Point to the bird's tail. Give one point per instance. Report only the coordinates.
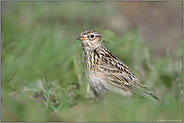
(143, 91)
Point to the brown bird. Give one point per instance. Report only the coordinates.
(105, 72)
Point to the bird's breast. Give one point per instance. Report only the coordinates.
(89, 60)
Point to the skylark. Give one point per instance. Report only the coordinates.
(105, 72)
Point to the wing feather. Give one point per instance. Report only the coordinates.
(134, 87)
(121, 76)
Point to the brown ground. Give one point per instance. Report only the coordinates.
(158, 23)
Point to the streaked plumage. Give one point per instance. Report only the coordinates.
(105, 72)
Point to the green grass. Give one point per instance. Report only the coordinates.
(43, 78)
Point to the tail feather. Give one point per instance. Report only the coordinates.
(143, 91)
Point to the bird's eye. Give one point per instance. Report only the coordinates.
(92, 36)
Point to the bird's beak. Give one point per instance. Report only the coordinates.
(80, 38)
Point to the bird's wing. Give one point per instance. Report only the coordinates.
(134, 86)
(119, 75)
(126, 81)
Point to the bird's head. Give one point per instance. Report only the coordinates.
(90, 39)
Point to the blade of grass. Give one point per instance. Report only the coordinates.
(47, 95)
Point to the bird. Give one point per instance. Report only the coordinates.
(105, 72)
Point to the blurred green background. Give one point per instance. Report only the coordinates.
(38, 40)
